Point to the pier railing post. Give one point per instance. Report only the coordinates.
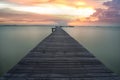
(53, 29)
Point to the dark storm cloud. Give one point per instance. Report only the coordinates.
(112, 14)
(115, 4)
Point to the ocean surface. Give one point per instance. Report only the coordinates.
(17, 41)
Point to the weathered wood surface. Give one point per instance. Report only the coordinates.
(59, 57)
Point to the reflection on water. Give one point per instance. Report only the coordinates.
(16, 42)
(103, 42)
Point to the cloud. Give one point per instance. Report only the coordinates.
(8, 16)
(113, 4)
(28, 2)
(74, 3)
(38, 11)
(111, 14)
(57, 11)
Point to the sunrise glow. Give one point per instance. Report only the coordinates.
(59, 11)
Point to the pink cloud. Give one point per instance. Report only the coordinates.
(16, 17)
(110, 15)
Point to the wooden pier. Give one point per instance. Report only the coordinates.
(59, 57)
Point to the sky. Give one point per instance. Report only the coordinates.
(60, 12)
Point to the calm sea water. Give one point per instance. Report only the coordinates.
(103, 42)
(16, 42)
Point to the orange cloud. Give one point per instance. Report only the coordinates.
(25, 21)
(83, 8)
(74, 3)
(71, 12)
(29, 2)
(77, 23)
(12, 17)
(83, 21)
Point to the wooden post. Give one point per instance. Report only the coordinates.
(53, 29)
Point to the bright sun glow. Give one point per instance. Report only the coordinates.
(80, 3)
(57, 10)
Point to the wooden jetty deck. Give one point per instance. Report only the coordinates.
(59, 57)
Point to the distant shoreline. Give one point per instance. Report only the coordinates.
(52, 26)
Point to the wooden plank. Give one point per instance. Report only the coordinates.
(59, 57)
